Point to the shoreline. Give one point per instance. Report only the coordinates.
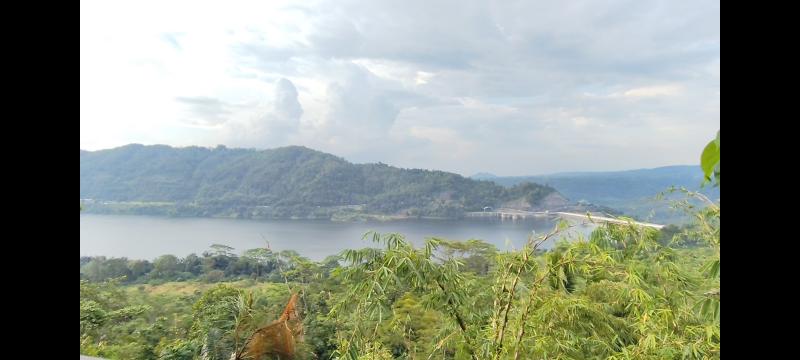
(360, 218)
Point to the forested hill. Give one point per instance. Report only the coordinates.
(281, 183)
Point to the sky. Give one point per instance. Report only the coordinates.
(506, 87)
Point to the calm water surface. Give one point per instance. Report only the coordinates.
(144, 237)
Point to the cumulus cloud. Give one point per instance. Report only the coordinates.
(511, 87)
(358, 103)
(286, 106)
(273, 123)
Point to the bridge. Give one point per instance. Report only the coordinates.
(521, 214)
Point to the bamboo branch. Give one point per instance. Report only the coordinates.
(500, 335)
(535, 286)
(459, 320)
(440, 344)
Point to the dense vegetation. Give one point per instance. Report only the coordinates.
(221, 263)
(626, 292)
(218, 264)
(632, 192)
(279, 183)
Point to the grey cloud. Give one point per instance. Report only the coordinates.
(358, 106)
(505, 48)
(281, 120)
(460, 33)
(544, 74)
(286, 103)
(274, 124)
(206, 110)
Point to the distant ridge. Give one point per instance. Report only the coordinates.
(483, 176)
(631, 191)
(285, 182)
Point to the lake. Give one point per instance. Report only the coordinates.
(144, 237)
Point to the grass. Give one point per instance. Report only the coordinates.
(194, 287)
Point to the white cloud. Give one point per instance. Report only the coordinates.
(457, 85)
(650, 91)
(273, 123)
(423, 77)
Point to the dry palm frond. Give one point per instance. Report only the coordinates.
(276, 339)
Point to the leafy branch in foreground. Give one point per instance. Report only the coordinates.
(619, 292)
(709, 161)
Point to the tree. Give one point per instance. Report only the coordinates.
(192, 264)
(166, 266)
(222, 250)
(139, 268)
(214, 321)
(104, 306)
(264, 259)
(101, 268)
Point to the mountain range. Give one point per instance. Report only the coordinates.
(633, 192)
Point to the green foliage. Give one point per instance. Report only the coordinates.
(626, 292)
(621, 294)
(709, 160)
(475, 255)
(214, 323)
(289, 182)
(218, 264)
(104, 309)
(179, 349)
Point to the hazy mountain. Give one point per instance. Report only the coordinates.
(632, 192)
(284, 182)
